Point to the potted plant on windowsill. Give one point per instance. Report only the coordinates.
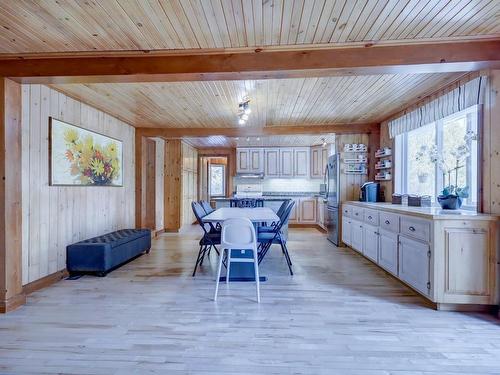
(452, 194)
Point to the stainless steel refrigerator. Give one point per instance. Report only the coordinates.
(332, 181)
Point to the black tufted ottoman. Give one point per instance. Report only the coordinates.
(101, 254)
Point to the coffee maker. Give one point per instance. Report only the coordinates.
(369, 192)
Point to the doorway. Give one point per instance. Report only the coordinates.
(214, 177)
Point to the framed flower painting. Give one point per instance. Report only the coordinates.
(82, 157)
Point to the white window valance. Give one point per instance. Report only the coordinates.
(456, 100)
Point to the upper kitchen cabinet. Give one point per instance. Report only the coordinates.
(301, 161)
(286, 162)
(272, 162)
(319, 159)
(250, 160)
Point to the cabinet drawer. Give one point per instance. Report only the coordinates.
(371, 216)
(357, 213)
(416, 228)
(346, 210)
(389, 222)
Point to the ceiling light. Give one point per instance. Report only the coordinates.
(237, 138)
(248, 111)
(324, 142)
(248, 139)
(244, 117)
(258, 139)
(241, 121)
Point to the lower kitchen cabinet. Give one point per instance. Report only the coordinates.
(388, 251)
(357, 235)
(320, 213)
(370, 242)
(449, 259)
(414, 264)
(346, 230)
(307, 212)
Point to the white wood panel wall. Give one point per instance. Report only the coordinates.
(54, 217)
(189, 183)
(160, 177)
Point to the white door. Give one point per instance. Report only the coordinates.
(346, 230)
(357, 235)
(256, 160)
(301, 162)
(388, 251)
(272, 162)
(286, 162)
(242, 160)
(414, 263)
(370, 241)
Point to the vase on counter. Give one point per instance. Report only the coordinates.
(450, 201)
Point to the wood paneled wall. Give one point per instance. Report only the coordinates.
(160, 176)
(55, 216)
(350, 183)
(189, 183)
(172, 187)
(491, 144)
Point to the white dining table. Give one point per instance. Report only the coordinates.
(242, 271)
(256, 215)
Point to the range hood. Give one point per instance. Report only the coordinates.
(250, 175)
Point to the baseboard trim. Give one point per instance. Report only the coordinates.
(12, 303)
(158, 232)
(303, 225)
(45, 281)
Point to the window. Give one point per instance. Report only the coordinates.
(415, 173)
(217, 180)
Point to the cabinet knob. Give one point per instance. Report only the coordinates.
(387, 222)
(356, 214)
(376, 233)
(369, 217)
(412, 229)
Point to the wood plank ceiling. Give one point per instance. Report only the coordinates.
(114, 25)
(274, 102)
(266, 141)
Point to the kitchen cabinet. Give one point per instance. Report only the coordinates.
(448, 258)
(307, 211)
(388, 251)
(319, 159)
(357, 235)
(301, 162)
(346, 230)
(249, 160)
(370, 242)
(295, 214)
(320, 212)
(414, 263)
(286, 162)
(272, 162)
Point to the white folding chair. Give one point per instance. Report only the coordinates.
(238, 234)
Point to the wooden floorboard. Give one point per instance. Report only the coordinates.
(338, 314)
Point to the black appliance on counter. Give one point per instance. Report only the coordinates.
(370, 192)
(332, 199)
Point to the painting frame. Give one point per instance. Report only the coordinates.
(51, 155)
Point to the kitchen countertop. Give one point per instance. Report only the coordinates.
(435, 212)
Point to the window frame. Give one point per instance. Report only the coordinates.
(218, 165)
(401, 182)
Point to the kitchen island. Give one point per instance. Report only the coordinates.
(449, 257)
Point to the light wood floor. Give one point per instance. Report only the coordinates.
(339, 314)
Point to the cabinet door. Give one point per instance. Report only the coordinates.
(320, 212)
(308, 210)
(295, 214)
(272, 162)
(255, 159)
(370, 242)
(242, 160)
(467, 265)
(286, 162)
(301, 162)
(414, 264)
(346, 230)
(357, 235)
(324, 159)
(388, 251)
(316, 163)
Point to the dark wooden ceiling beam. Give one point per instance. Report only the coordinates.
(254, 132)
(464, 56)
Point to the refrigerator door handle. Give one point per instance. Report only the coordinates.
(327, 178)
